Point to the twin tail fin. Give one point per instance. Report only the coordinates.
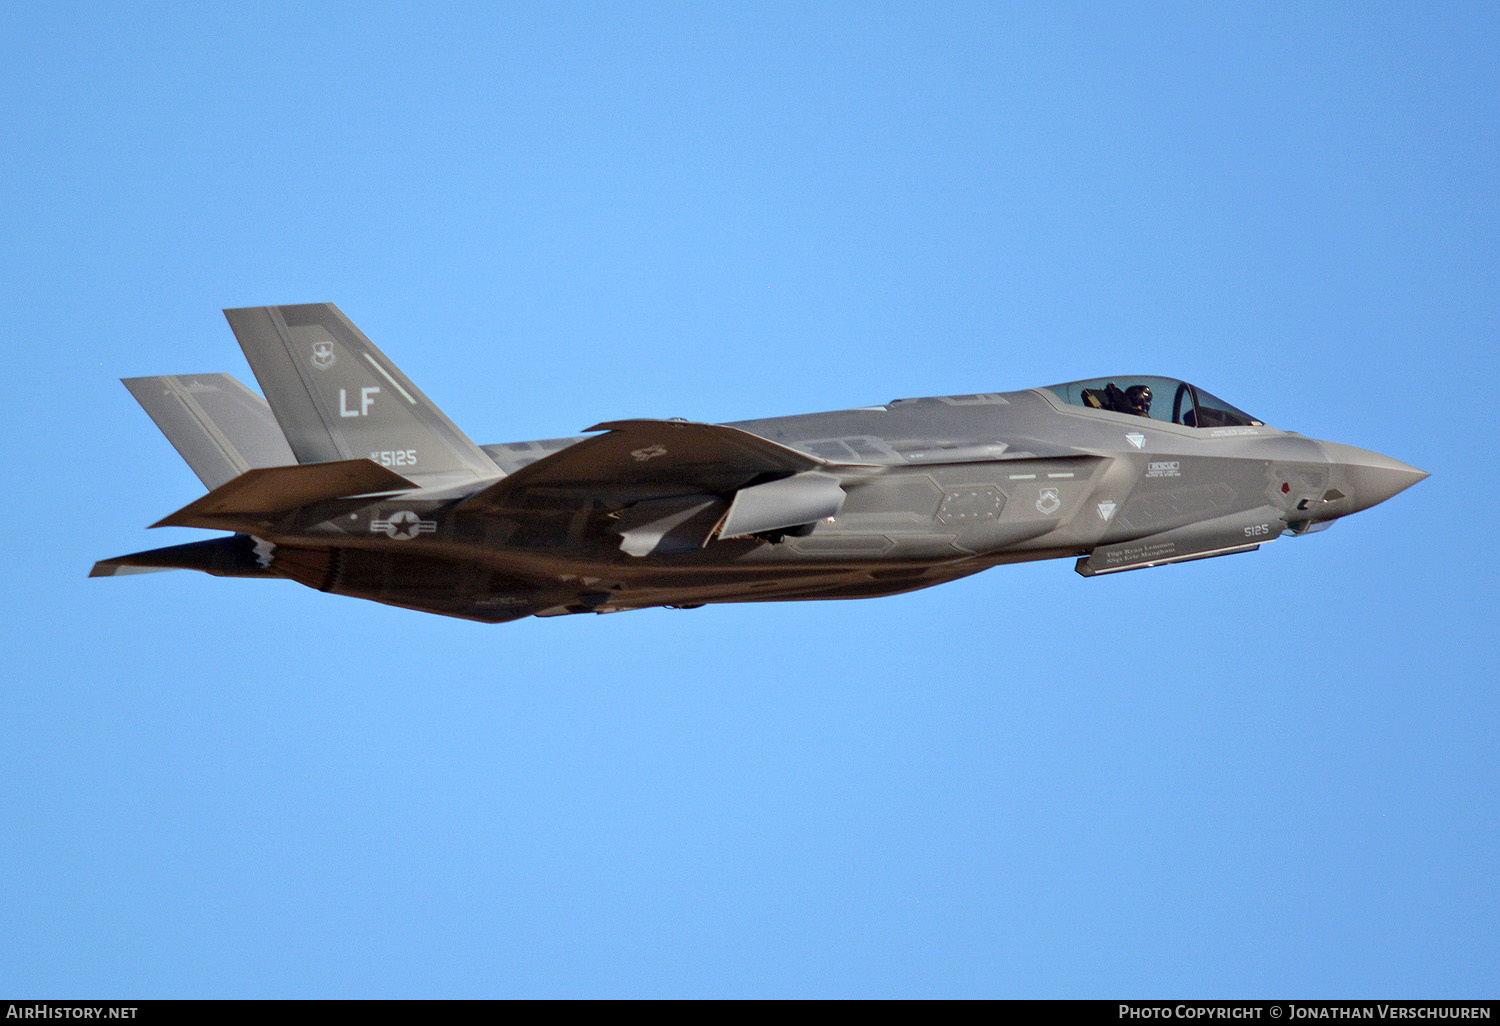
(217, 424)
(338, 397)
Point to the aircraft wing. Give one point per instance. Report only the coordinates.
(657, 455)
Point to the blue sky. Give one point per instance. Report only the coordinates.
(1267, 775)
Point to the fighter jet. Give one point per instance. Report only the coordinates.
(350, 480)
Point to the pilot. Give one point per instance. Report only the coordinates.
(1134, 400)
(1138, 400)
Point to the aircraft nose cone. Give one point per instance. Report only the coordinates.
(1373, 477)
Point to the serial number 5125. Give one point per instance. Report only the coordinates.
(395, 458)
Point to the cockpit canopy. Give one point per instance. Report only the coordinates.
(1164, 399)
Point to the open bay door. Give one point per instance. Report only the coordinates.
(672, 479)
(790, 502)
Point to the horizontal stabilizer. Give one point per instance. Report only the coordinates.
(272, 490)
(337, 397)
(705, 458)
(120, 566)
(238, 556)
(216, 424)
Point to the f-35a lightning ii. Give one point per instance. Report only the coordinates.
(351, 481)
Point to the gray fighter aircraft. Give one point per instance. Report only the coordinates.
(352, 481)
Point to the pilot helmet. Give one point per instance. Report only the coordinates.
(1138, 400)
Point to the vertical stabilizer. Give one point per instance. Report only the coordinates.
(337, 397)
(216, 424)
